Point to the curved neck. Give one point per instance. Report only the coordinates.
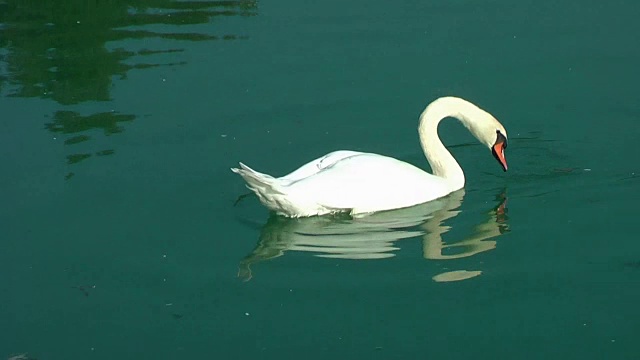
(442, 162)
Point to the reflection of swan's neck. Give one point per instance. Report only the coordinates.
(442, 162)
(478, 241)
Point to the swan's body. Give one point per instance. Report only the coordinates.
(358, 183)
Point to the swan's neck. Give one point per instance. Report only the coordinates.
(442, 162)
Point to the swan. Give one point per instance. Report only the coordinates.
(360, 183)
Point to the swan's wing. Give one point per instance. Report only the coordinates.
(317, 165)
(369, 181)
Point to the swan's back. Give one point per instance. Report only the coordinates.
(364, 183)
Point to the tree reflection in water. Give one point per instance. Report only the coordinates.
(58, 50)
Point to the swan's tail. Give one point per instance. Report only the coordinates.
(265, 186)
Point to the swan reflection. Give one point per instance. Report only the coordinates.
(375, 236)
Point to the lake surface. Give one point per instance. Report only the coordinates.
(122, 236)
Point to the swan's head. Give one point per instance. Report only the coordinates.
(486, 128)
(490, 132)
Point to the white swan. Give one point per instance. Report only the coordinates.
(360, 183)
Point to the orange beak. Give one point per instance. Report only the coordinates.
(498, 153)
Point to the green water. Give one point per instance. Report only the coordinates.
(119, 122)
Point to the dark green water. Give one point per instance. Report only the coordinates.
(119, 122)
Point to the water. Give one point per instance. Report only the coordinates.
(120, 121)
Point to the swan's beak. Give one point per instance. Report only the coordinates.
(498, 153)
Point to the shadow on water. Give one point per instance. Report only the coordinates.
(376, 236)
(62, 50)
